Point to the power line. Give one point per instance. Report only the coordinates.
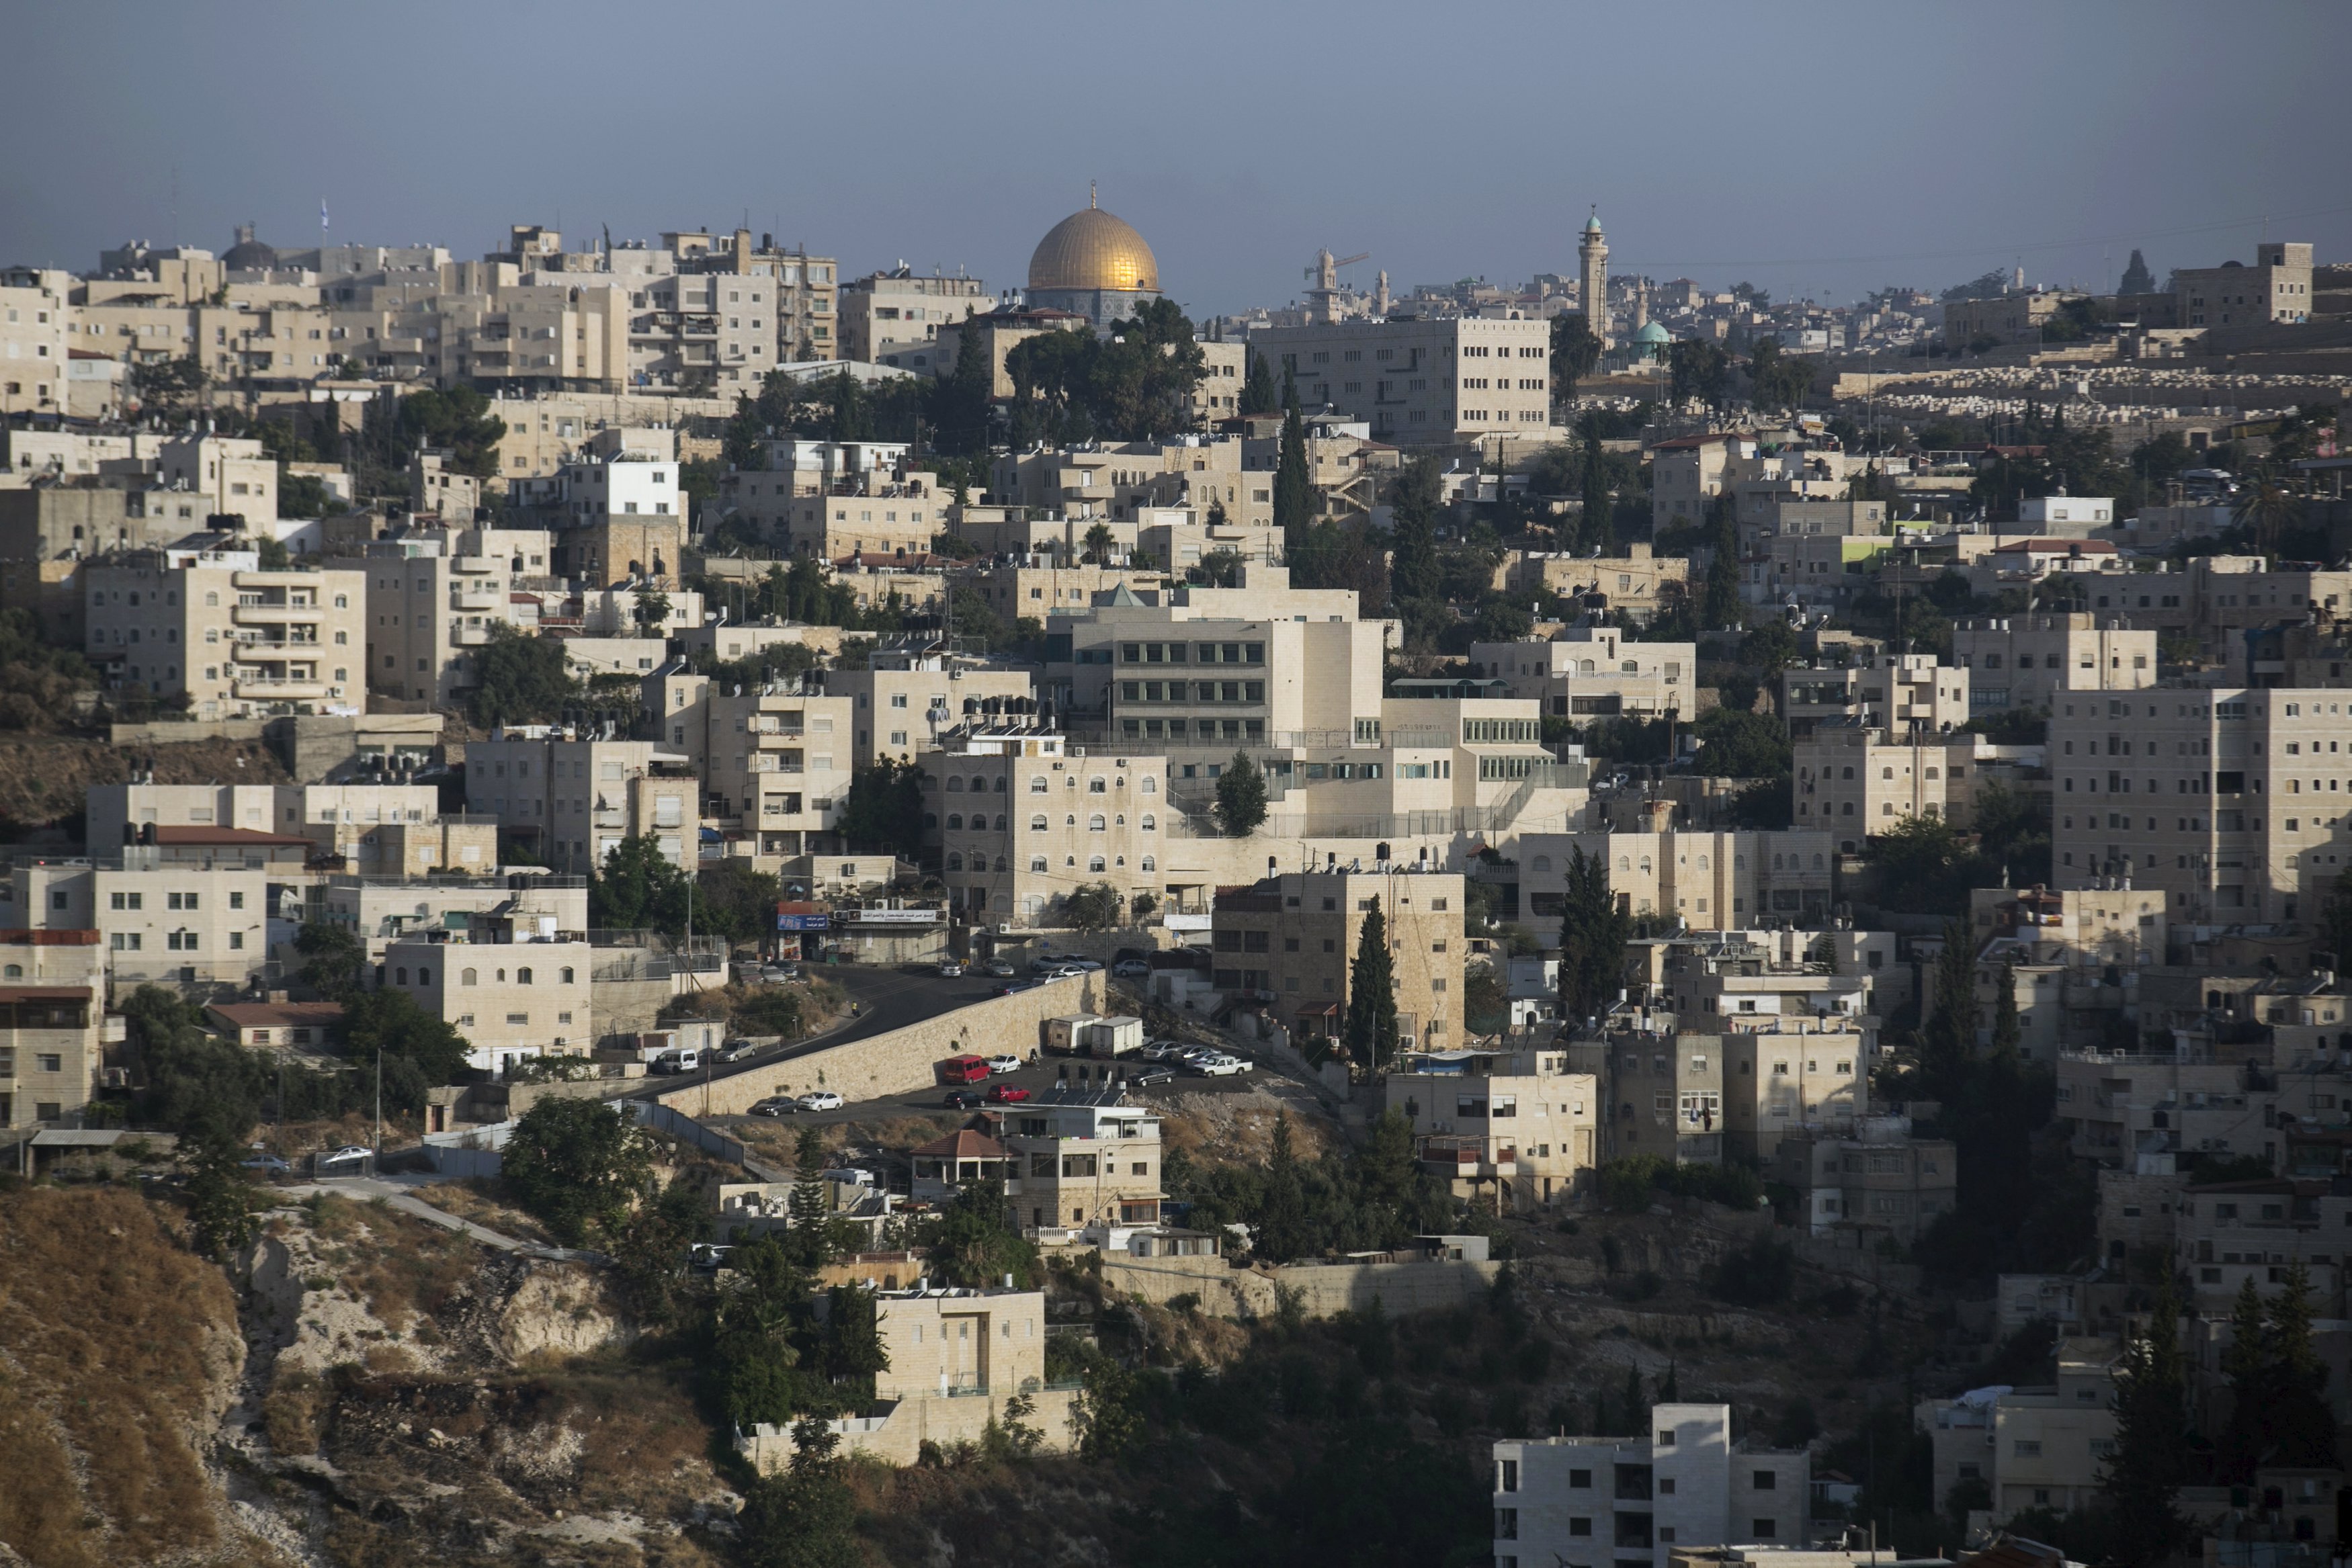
(1988, 247)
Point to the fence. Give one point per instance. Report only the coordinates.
(686, 1130)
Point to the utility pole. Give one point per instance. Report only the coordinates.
(379, 1109)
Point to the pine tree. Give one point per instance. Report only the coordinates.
(2246, 1362)
(1414, 572)
(1241, 796)
(1670, 1388)
(1282, 1224)
(1369, 1031)
(812, 1224)
(2150, 1458)
(1597, 529)
(2299, 1430)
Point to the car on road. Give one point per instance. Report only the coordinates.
(963, 1069)
(1003, 1064)
(964, 1100)
(1007, 1093)
(269, 1165)
(1016, 986)
(1131, 968)
(349, 1153)
(950, 970)
(1216, 1066)
(999, 968)
(682, 1059)
(1161, 1051)
(1151, 1075)
(821, 1100)
(1065, 973)
(776, 1105)
(778, 974)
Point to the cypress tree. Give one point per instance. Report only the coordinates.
(1719, 601)
(1371, 1028)
(2150, 1458)
(1592, 935)
(2006, 1029)
(1257, 388)
(1294, 492)
(1599, 527)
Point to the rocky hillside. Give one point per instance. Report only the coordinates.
(43, 779)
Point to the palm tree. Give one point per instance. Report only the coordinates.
(2269, 509)
(1099, 544)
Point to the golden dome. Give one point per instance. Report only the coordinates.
(1091, 249)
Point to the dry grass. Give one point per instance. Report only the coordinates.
(1238, 1129)
(399, 1265)
(113, 1340)
(290, 1410)
(482, 1200)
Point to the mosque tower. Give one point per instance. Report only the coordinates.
(1592, 277)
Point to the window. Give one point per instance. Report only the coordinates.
(1506, 1474)
(1766, 1481)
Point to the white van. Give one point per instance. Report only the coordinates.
(682, 1059)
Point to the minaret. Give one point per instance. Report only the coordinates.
(1381, 295)
(1592, 277)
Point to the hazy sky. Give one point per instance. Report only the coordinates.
(1820, 148)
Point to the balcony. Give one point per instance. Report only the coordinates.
(274, 653)
(471, 636)
(258, 689)
(276, 614)
(472, 598)
(1467, 1159)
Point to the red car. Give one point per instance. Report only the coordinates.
(1007, 1093)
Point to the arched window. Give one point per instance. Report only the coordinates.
(1095, 824)
(955, 861)
(565, 973)
(1036, 784)
(1150, 823)
(979, 785)
(955, 821)
(1849, 772)
(1543, 863)
(1739, 863)
(1037, 824)
(1775, 862)
(1623, 864)
(1000, 863)
(999, 824)
(16, 971)
(522, 976)
(400, 976)
(1120, 821)
(955, 784)
(1000, 784)
(1817, 863)
(424, 976)
(1149, 864)
(1036, 862)
(930, 818)
(1071, 820)
(1095, 862)
(1702, 862)
(1098, 786)
(1151, 785)
(467, 977)
(1584, 666)
(1645, 865)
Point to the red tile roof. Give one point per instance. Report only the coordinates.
(277, 1015)
(964, 1143)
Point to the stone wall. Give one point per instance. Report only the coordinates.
(1420, 1285)
(896, 1435)
(903, 1059)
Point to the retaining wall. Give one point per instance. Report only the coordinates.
(903, 1059)
(1420, 1285)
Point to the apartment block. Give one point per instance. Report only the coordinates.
(436, 598)
(906, 696)
(52, 1006)
(894, 318)
(1292, 939)
(1787, 1075)
(34, 317)
(1871, 1181)
(1081, 1158)
(2275, 288)
(776, 765)
(1594, 672)
(1663, 1091)
(1854, 781)
(1515, 1124)
(614, 512)
(2220, 798)
(1421, 381)
(234, 641)
(2119, 1105)
(2026, 661)
(1638, 582)
(1606, 1502)
(1717, 881)
(1023, 821)
(515, 985)
(833, 501)
(193, 908)
(2030, 1448)
(1902, 692)
(574, 798)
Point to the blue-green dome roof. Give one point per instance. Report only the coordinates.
(1651, 332)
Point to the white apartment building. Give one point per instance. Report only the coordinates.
(1022, 821)
(52, 1013)
(894, 318)
(1604, 1502)
(236, 642)
(2025, 661)
(2221, 796)
(1855, 782)
(2275, 288)
(575, 798)
(1869, 1179)
(776, 765)
(230, 477)
(194, 908)
(34, 317)
(380, 910)
(1518, 1125)
(1717, 881)
(1594, 672)
(834, 500)
(436, 598)
(1418, 381)
(1899, 692)
(514, 986)
(2031, 1447)
(906, 696)
(1082, 1159)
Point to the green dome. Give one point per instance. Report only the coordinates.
(1592, 224)
(1651, 332)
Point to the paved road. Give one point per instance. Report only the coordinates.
(887, 999)
(397, 1194)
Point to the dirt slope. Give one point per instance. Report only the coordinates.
(43, 777)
